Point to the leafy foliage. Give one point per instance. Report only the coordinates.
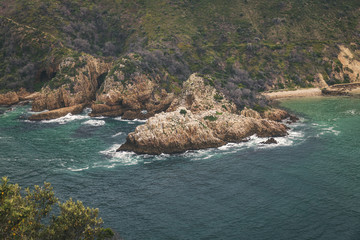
(28, 217)
(210, 118)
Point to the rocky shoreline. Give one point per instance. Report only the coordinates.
(182, 130)
(199, 117)
(198, 120)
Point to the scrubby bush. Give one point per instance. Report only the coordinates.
(26, 215)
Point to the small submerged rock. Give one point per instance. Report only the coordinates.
(270, 141)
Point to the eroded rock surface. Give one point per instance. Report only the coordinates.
(75, 83)
(12, 98)
(139, 98)
(182, 130)
(275, 114)
(197, 97)
(201, 118)
(9, 98)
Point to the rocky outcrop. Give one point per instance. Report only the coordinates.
(9, 98)
(182, 130)
(12, 98)
(76, 82)
(270, 141)
(345, 89)
(141, 98)
(275, 114)
(246, 112)
(138, 97)
(57, 113)
(201, 118)
(350, 65)
(105, 110)
(197, 97)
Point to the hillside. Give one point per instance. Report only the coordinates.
(241, 47)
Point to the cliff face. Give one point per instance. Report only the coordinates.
(350, 64)
(76, 82)
(200, 118)
(139, 98)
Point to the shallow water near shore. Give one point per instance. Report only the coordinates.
(305, 187)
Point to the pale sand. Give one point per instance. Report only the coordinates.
(307, 92)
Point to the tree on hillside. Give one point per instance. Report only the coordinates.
(28, 217)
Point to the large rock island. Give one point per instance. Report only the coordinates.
(201, 118)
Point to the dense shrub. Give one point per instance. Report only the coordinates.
(26, 215)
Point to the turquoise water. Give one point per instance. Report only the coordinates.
(306, 187)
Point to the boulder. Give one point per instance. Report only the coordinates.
(275, 114)
(106, 110)
(9, 98)
(270, 141)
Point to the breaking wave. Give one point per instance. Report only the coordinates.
(68, 118)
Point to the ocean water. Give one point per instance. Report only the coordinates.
(305, 187)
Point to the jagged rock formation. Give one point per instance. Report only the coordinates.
(350, 64)
(11, 98)
(181, 130)
(76, 82)
(139, 98)
(246, 112)
(203, 118)
(197, 97)
(275, 114)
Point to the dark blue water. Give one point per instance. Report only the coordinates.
(306, 187)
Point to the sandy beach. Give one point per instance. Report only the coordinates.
(308, 92)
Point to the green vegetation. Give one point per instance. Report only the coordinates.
(218, 97)
(28, 216)
(183, 112)
(241, 47)
(210, 118)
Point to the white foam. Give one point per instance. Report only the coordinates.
(117, 134)
(129, 121)
(121, 158)
(77, 169)
(87, 110)
(126, 158)
(330, 130)
(111, 151)
(195, 155)
(68, 118)
(95, 123)
(31, 112)
(257, 142)
(351, 112)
